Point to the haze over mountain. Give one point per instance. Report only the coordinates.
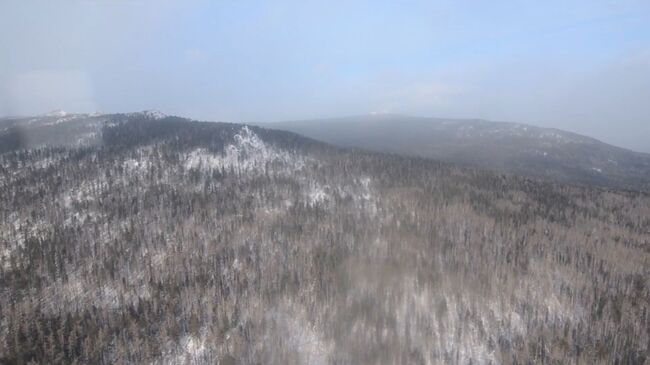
(180, 238)
(143, 238)
(580, 65)
(510, 147)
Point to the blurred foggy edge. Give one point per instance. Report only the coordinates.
(15, 138)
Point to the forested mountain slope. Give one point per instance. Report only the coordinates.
(161, 240)
(547, 153)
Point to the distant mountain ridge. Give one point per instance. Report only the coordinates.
(62, 129)
(502, 146)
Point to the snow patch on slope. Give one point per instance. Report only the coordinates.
(317, 194)
(133, 165)
(248, 153)
(154, 114)
(56, 113)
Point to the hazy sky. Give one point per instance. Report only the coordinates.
(577, 65)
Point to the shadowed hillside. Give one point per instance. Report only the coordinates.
(518, 148)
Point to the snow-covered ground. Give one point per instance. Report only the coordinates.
(248, 154)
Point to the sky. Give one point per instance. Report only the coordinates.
(578, 65)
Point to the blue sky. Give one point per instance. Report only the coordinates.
(583, 66)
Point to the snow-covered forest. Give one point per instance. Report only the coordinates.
(159, 240)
